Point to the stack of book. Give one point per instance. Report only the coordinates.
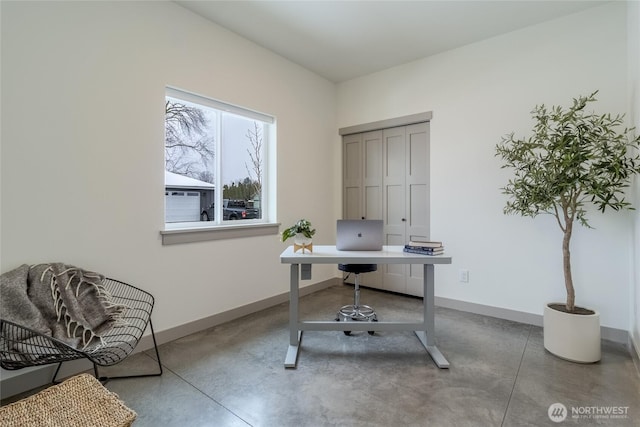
(424, 247)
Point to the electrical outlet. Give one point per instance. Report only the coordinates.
(463, 276)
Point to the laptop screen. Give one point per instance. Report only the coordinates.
(359, 235)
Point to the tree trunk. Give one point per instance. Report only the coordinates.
(566, 263)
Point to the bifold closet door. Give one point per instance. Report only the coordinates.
(372, 175)
(362, 182)
(352, 176)
(417, 198)
(394, 204)
(405, 199)
(362, 185)
(386, 176)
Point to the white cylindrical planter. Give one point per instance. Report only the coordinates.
(574, 337)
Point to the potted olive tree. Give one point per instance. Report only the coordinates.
(573, 159)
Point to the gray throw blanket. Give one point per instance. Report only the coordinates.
(62, 301)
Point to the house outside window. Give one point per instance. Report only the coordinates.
(216, 162)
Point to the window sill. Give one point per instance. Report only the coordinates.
(177, 234)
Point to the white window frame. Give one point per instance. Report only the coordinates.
(198, 231)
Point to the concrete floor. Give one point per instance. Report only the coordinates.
(233, 374)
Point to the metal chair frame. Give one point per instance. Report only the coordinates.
(40, 349)
(357, 312)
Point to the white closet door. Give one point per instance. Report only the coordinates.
(417, 197)
(386, 176)
(372, 191)
(363, 185)
(362, 176)
(394, 149)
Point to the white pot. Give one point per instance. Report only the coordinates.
(301, 239)
(302, 242)
(574, 337)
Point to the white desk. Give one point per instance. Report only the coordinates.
(388, 255)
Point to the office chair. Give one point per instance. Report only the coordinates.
(355, 311)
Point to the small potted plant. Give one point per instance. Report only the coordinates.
(574, 158)
(302, 234)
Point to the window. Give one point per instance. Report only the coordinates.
(216, 163)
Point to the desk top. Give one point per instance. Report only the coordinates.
(388, 255)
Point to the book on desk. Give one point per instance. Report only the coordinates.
(424, 247)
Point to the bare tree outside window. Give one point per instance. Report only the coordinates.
(255, 155)
(188, 144)
(214, 156)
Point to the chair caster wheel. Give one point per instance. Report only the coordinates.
(374, 319)
(347, 333)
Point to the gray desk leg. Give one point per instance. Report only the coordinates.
(428, 337)
(294, 335)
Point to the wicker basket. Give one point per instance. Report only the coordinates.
(80, 401)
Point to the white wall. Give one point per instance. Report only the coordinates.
(83, 148)
(479, 93)
(633, 29)
(81, 172)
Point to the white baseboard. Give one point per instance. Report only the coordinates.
(15, 382)
(227, 316)
(19, 381)
(612, 334)
(634, 349)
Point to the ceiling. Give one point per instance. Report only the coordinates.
(341, 40)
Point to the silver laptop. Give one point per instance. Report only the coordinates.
(359, 235)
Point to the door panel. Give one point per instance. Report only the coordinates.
(352, 177)
(373, 202)
(394, 150)
(394, 180)
(418, 215)
(372, 175)
(352, 203)
(418, 151)
(417, 196)
(417, 185)
(362, 186)
(352, 158)
(395, 208)
(373, 156)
